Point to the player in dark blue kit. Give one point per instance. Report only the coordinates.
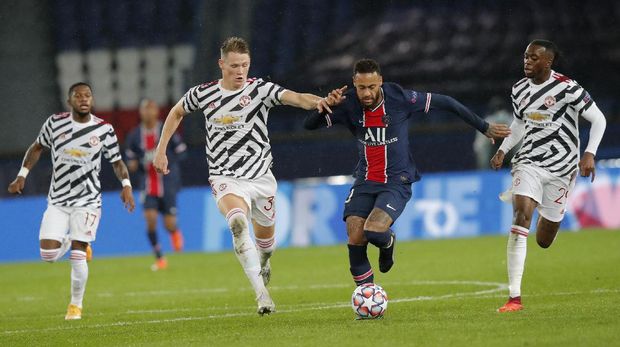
(159, 192)
(377, 114)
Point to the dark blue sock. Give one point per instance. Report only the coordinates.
(152, 235)
(378, 239)
(360, 266)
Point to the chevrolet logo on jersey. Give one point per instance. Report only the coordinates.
(539, 117)
(76, 153)
(226, 119)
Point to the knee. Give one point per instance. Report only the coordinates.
(522, 217)
(237, 221)
(543, 243)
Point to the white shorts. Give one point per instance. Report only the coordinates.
(80, 223)
(259, 195)
(549, 191)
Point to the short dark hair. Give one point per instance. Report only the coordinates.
(366, 66)
(549, 46)
(236, 45)
(75, 85)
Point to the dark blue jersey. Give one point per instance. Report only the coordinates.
(140, 145)
(382, 133)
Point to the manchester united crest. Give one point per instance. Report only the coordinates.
(94, 141)
(549, 101)
(244, 100)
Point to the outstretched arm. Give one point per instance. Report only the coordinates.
(30, 159)
(306, 101)
(120, 170)
(174, 118)
(448, 103)
(323, 116)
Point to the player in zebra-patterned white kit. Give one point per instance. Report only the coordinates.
(546, 107)
(77, 141)
(239, 155)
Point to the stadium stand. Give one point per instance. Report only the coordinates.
(470, 50)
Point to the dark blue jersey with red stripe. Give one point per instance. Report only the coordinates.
(140, 145)
(382, 132)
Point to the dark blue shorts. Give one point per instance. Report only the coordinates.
(166, 204)
(364, 196)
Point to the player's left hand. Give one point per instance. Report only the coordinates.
(497, 131)
(323, 106)
(127, 198)
(586, 165)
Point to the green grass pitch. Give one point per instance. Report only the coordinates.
(442, 293)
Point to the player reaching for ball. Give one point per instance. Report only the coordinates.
(376, 113)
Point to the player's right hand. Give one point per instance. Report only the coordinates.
(498, 160)
(160, 163)
(17, 185)
(336, 96)
(497, 131)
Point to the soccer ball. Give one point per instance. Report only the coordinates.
(369, 301)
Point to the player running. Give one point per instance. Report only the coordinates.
(77, 141)
(159, 193)
(546, 108)
(376, 113)
(239, 155)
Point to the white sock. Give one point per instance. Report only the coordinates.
(265, 248)
(516, 251)
(52, 255)
(244, 249)
(79, 276)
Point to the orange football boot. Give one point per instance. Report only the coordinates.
(513, 304)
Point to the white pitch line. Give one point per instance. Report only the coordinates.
(313, 307)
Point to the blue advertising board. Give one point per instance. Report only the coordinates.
(309, 212)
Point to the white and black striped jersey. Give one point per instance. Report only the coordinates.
(550, 111)
(236, 122)
(76, 150)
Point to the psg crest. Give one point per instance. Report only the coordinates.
(386, 119)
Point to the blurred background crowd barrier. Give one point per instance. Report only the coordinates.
(309, 212)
